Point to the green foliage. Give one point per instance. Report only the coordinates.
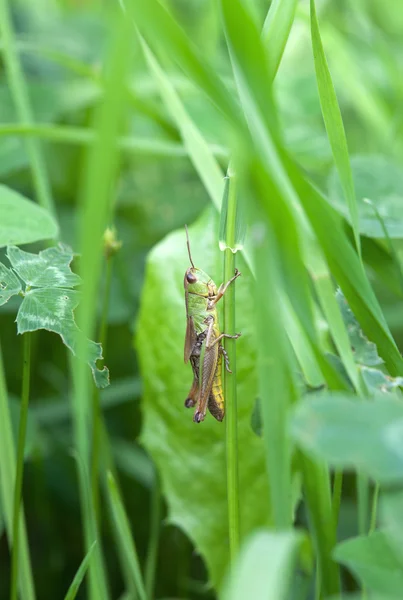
(379, 179)
(190, 457)
(265, 567)
(373, 561)
(127, 120)
(347, 433)
(23, 221)
(48, 300)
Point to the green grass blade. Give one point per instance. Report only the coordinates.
(153, 539)
(22, 431)
(276, 29)
(346, 268)
(142, 146)
(160, 29)
(334, 123)
(96, 202)
(20, 95)
(79, 576)
(126, 541)
(97, 583)
(230, 382)
(321, 521)
(274, 377)
(7, 482)
(199, 152)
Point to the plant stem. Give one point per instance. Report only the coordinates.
(336, 498)
(149, 577)
(321, 520)
(230, 380)
(98, 425)
(21, 99)
(362, 500)
(374, 509)
(20, 461)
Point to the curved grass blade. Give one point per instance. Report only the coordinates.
(126, 540)
(159, 27)
(276, 29)
(199, 151)
(334, 123)
(79, 576)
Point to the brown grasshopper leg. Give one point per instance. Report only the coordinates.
(191, 400)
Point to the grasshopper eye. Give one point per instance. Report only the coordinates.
(191, 277)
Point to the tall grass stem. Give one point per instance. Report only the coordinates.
(230, 390)
(22, 431)
(152, 553)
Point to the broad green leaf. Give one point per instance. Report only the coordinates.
(264, 568)
(79, 576)
(23, 221)
(391, 507)
(373, 561)
(52, 309)
(9, 284)
(50, 268)
(364, 351)
(348, 433)
(379, 179)
(334, 123)
(190, 457)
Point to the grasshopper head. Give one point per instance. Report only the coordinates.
(196, 282)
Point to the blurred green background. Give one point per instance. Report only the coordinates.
(62, 46)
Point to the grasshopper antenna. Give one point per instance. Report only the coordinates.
(188, 245)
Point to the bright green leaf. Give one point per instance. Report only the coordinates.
(349, 433)
(23, 221)
(50, 268)
(9, 284)
(373, 561)
(264, 568)
(379, 179)
(190, 457)
(52, 309)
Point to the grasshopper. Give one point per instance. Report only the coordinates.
(203, 341)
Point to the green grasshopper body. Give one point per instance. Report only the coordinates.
(202, 341)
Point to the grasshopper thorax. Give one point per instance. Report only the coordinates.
(198, 282)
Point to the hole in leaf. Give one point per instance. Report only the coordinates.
(3, 285)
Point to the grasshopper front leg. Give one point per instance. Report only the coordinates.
(223, 288)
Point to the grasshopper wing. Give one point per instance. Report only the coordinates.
(208, 364)
(190, 338)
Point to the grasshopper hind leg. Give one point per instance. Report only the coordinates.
(191, 399)
(226, 359)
